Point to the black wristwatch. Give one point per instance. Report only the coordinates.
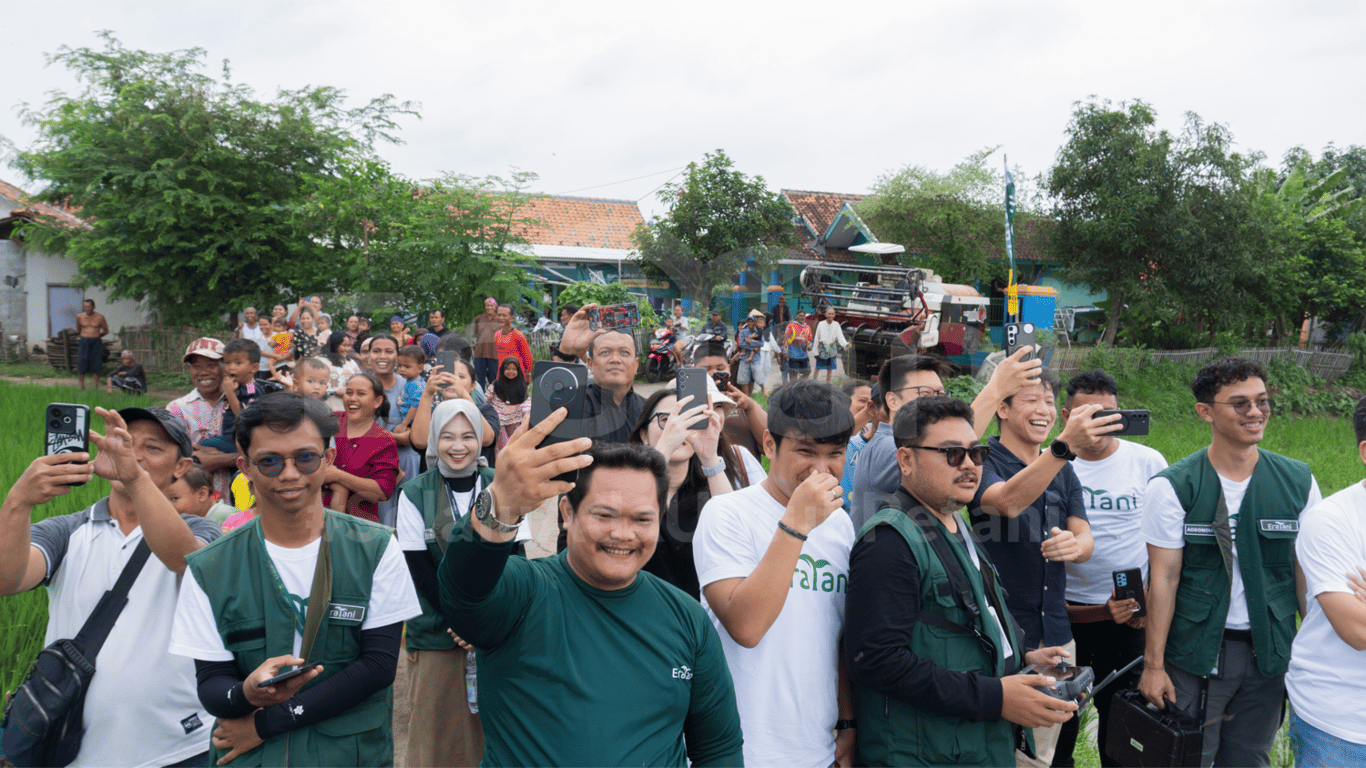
(1062, 451)
(484, 511)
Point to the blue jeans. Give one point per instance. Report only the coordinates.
(1314, 747)
(485, 370)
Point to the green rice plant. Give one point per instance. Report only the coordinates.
(23, 618)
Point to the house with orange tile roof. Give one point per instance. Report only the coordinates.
(37, 295)
(588, 239)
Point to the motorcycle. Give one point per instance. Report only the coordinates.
(659, 365)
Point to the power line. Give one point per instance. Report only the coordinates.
(666, 181)
(623, 181)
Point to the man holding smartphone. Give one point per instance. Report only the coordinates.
(252, 607)
(1114, 476)
(141, 707)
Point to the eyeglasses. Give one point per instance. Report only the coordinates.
(954, 455)
(1242, 405)
(271, 465)
(660, 419)
(926, 392)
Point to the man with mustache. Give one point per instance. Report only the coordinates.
(930, 646)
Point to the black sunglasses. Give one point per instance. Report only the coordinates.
(954, 455)
(307, 463)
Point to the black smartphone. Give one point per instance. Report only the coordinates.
(1131, 422)
(290, 675)
(614, 316)
(722, 379)
(1129, 585)
(560, 385)
(447, 359)
(693, 381)
(68, 430)
(1019, 335)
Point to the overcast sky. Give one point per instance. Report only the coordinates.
(817, 96)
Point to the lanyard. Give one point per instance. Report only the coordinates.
(474, 496)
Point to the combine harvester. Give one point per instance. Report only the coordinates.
(891, 310)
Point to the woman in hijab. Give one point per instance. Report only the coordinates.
(443, 730)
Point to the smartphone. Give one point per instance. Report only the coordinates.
(693, 381)
(290, 675)
(68, 430)
(722, 379)
(560, 385)
(447, 359)
(1129, 585)
(1131, 422)
(1019, 335)
(614, 316)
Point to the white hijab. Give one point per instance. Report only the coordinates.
(441, 416)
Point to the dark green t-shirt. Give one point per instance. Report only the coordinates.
(572, 675)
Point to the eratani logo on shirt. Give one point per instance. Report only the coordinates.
(341, 612)
(192, 723)
(682, 673)
(1281, 526)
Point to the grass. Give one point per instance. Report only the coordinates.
(23, 618)
(176, 382)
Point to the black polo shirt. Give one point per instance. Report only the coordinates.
(607, 421)
(1036, 588)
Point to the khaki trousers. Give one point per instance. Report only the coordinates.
(441, 729)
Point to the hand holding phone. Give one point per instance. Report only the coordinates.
(1019, 335)
(68, 430)
(1130, 422)
(1129, 586)
(614, 316)
(554, 386)
(290, 675)
(693, 381)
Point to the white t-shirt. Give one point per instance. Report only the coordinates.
(962, 534)
(754, 471)
(392, 598)
(126, 722)
(259, 336)
(1164, 525)
(1112, 490)
(1326, 676)
(412, 531)
(785, 687)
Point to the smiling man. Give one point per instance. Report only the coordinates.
(1224, 584)
(203, 409)
(931, 646)
(250, 609)
(773, 563)
(583, 658)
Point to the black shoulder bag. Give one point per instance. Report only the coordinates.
(43, 724)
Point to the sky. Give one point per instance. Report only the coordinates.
(607, 99)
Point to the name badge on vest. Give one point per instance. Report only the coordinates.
(429, 535)
(348, 613)
(1281, 526)
(1198, 529)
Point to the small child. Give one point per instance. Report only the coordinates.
(281, 340)
(310, 380)
(241, 359)
(192, 494)
(410, 364)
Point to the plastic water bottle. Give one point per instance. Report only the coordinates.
(472, 682)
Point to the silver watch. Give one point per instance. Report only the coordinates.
(484, 511)
(716, 470)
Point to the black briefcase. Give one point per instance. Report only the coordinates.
(1141, 735)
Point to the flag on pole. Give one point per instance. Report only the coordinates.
(1012, 290)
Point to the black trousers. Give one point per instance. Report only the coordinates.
(1104, 646)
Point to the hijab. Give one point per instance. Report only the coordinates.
(441, 416)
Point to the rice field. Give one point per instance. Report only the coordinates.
(23, 618)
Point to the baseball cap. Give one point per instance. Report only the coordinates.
(395, 319)
(755, 313)
(175, 427)
(204, 347)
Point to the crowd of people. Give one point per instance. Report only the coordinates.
(877, 590)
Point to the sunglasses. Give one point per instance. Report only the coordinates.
(271, 465)
(954, 455)
(1242, 405)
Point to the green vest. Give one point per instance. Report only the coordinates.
(1268, 522)
(256, 623)
(896, 732)
(427, 492)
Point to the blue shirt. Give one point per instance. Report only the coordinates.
(1036, 588)
(851, 453)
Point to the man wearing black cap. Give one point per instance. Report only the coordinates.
(141, 704)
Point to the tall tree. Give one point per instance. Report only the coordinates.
(950, 222)
(191, 183)
(1116, 199)
(718, 219)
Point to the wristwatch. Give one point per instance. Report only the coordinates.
(1062, 451)
(716, 470)
(484, 511)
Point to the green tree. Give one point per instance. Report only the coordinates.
(718, 219)
(606, 294)
(950, 222)
(413, 246)
(1115, 195)
(191, 183)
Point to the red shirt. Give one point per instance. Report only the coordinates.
(513, 343)
(372, 456)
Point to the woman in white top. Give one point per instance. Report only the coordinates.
(829, 341)
(341, 366)
(763, 361)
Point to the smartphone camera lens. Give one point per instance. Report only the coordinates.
(560, 386)
(54, 424)
(66, 419)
